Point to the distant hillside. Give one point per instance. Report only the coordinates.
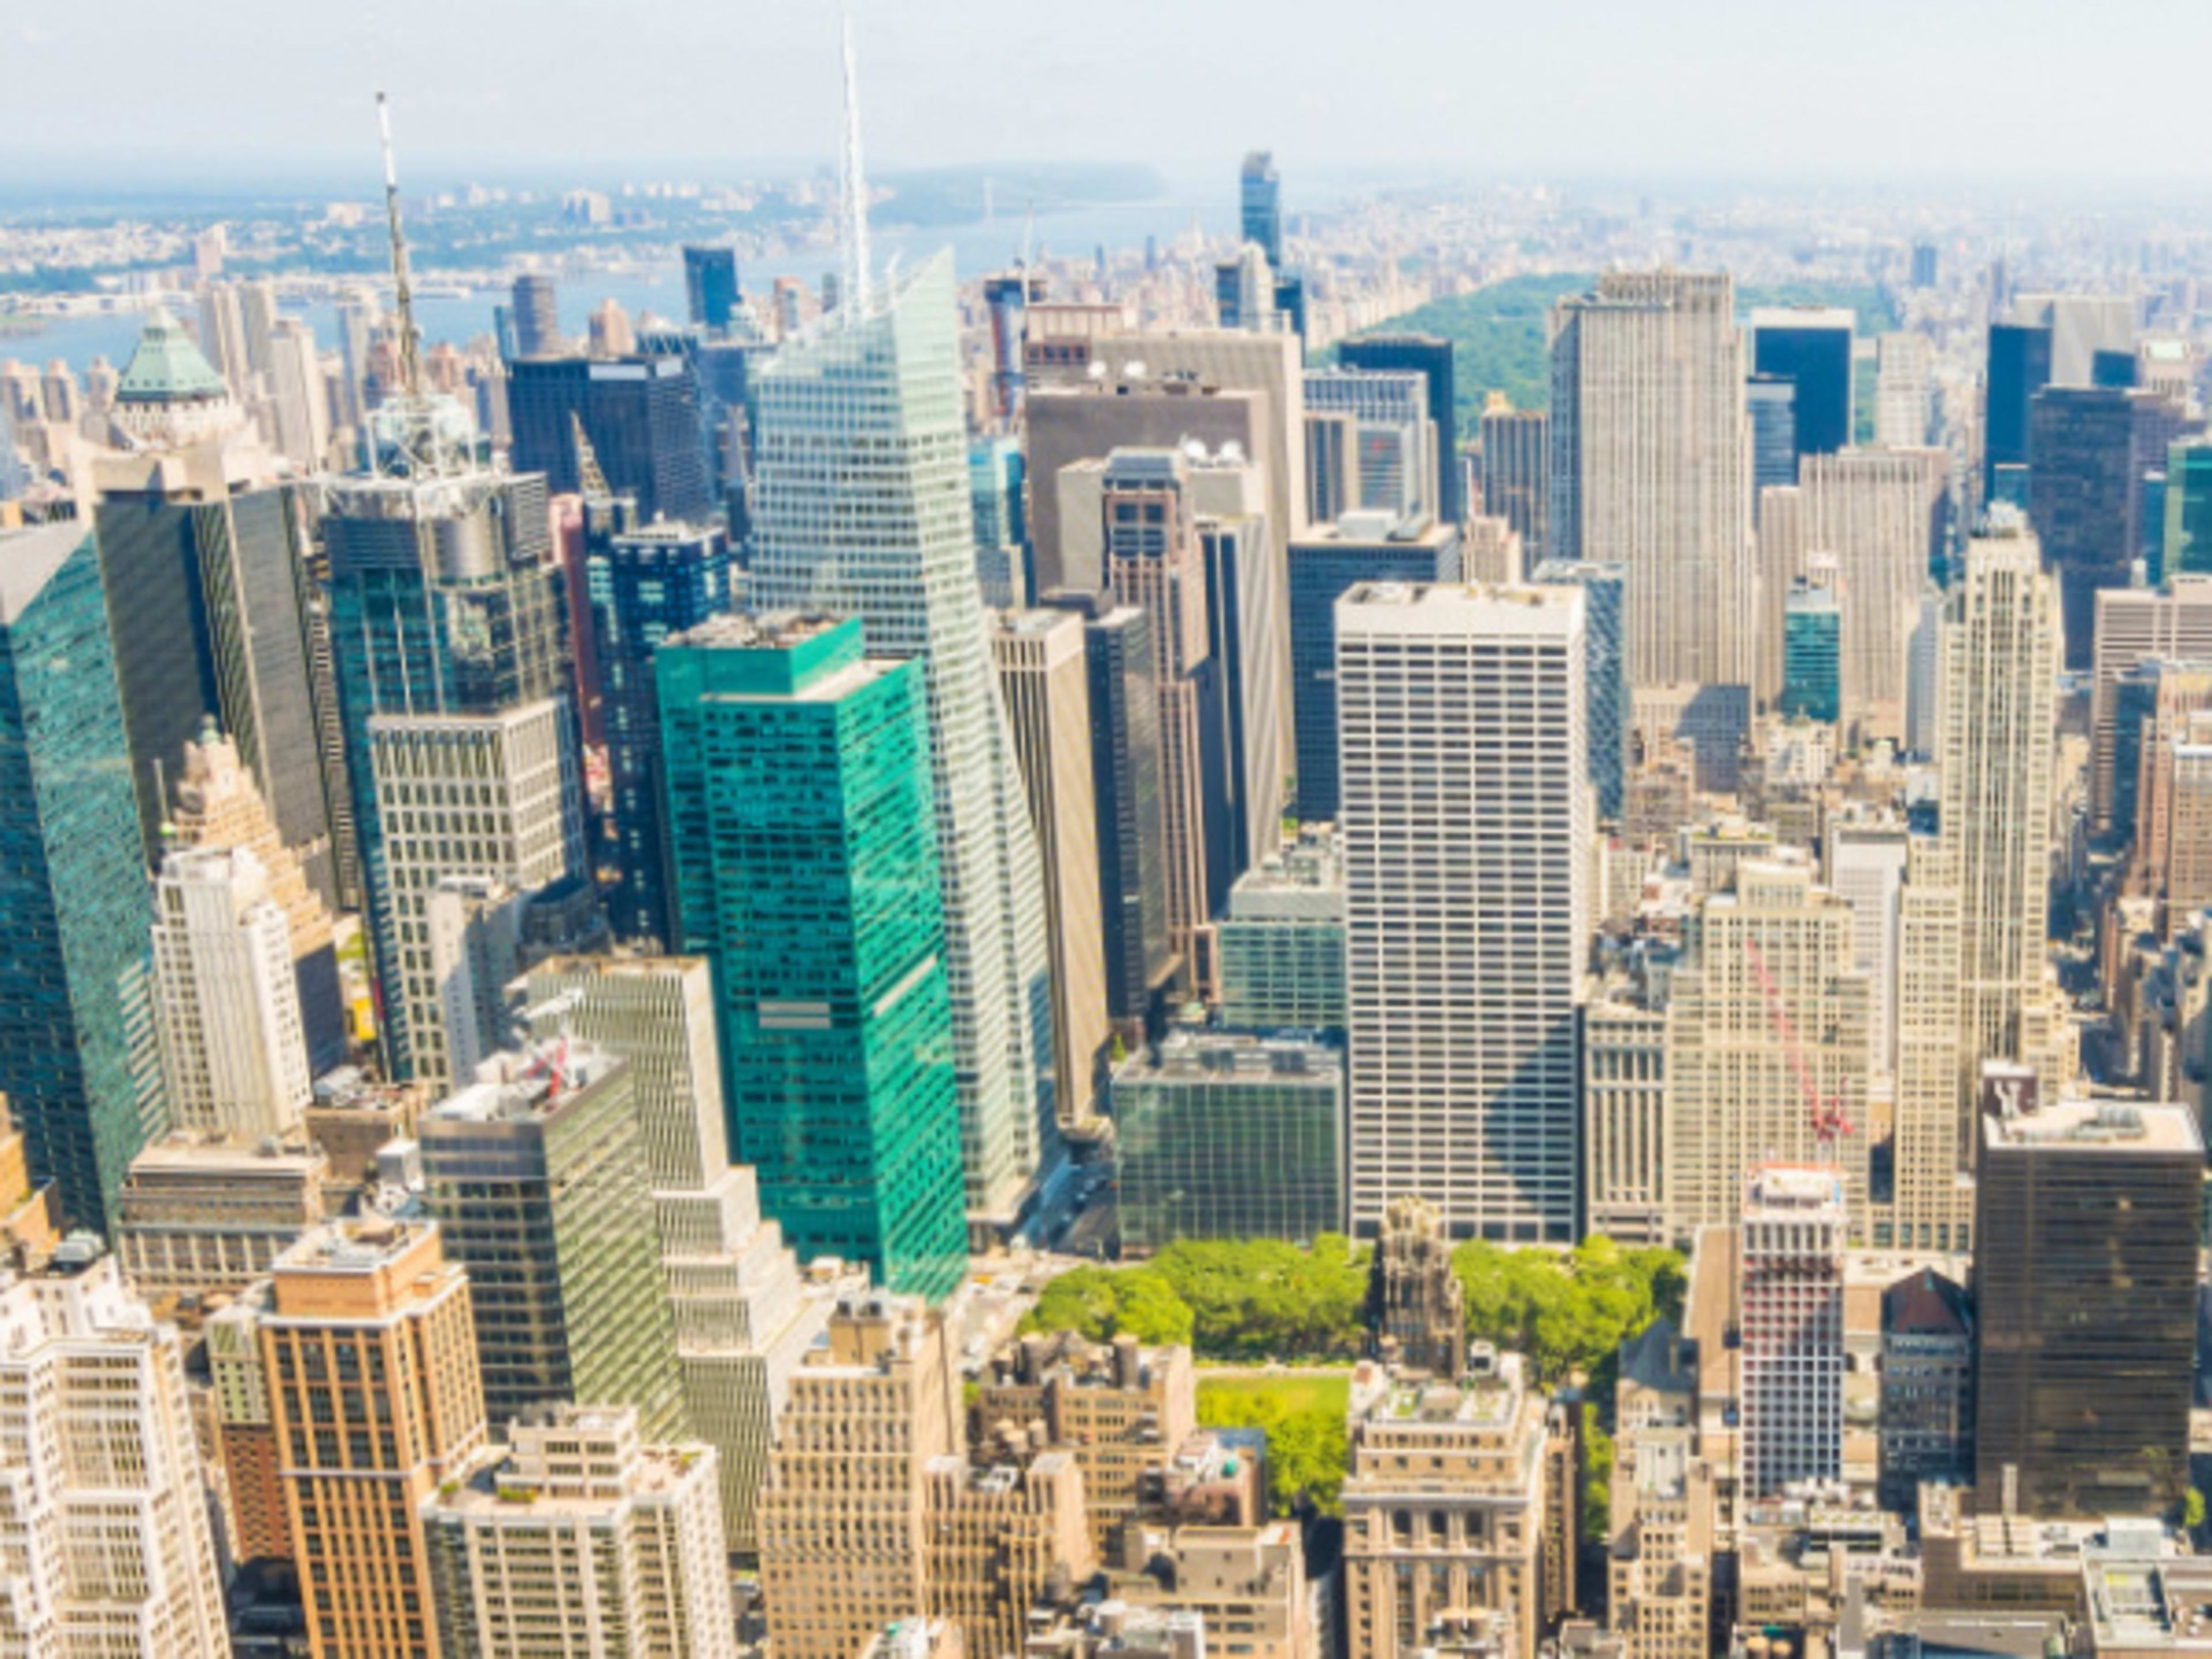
(1500, 332)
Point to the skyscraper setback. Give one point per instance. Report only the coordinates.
(864, 408)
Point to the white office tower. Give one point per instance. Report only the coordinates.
(861, 508)
(1791, 1273)
(1878, 512)
(1650, 464)
(104, 1543)
(299, 400)
(2001, 652)
(1397, 442)
(1464, 826)
(744, 1318)
(1924, 675)
(1903, 394)
(233, 1048)
(1866, 868)
(581, 1542)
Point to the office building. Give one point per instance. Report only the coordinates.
(843, 1549)
(1467, 1095)
(1226, 1136)
(2083, 327)
(79, 1061)
(1771, 409)
(1431, 357)
(647, 584)
(1810, 346)
(999, 1542)
(997, 480)
(1416, 1304)
(582, 1539)
(1327, 562)
(743, 1318)
(203, 559)
(2084, 493)
(1464, 1539)
(1776, 954)
(1044, 672)
(298, 398)
(2085, 1290)
(1904, 399)
(107, 1544)
(1649, 456)
(1244, 292)
(795, 767)
(1790, 1279)
(639, 412)
(1812, 651)
(2173, 624)
(866, 408)
(710, 285)
(1279, 951)
(1880, 514)
(233, 1050)
(1997, 717)
(199, 1219)
(1516, 471)
(536, 318)
(1605, 672)
(2019, 367)
(374, 1300)
(455, 684)
(1394, 436)
(1866, 866)
(537, 1176)
(1624, 1116)
(1927, 1410)
(1259, 216)
(2186, 545)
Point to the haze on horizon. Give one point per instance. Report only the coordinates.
(1886, 89)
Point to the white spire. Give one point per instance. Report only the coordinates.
(854, 230)
(409, 342)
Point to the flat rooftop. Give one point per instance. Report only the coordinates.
(2098, 1125)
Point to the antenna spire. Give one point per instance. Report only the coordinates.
(854, 231)
(409, 342)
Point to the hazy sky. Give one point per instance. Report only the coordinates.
(1871, 89)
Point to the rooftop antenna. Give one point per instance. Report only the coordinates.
(410, 342)
(854, 231)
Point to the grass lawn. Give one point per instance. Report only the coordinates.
(1295, 1391)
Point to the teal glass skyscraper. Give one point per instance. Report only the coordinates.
(77, 1054)
(1812, 655)
(804, 866)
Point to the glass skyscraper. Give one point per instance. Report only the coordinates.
(1812, 655)
(1605, 672)
(1811, 348)
(1261, 205)
(861, 509)
(78, 1059)
(805, 870)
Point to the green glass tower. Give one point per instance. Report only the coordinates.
(1812, 655)
(77, 1054)
(804, 866)
(2188, 545)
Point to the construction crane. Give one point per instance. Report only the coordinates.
(1828, 1121)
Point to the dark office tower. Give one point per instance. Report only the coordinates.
(1605, 672)
(1125, 775)
(2089, 447)
(710, 285)
(641, 415)
(2085, 1281)
(1326, 565)
(204, 560)
(1810, 346)
(646, 584)
(77, 1054)
(1262, 207)
(1516, 484)
(1771, 401)
(1433, 356)
(1923, 264)
(2019, 366)
(536, 318)
(449, 627)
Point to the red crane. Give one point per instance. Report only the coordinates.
(1829, 1123)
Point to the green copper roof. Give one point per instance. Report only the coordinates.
(166, 367)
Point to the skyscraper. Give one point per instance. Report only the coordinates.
(710, 285)
(1516, 473)
(2173, 623)
(865, 407)
(1810, 346)
(2187, 541)
(1260, 214)
(370, 1362)
(2019, 367)
(2085, 1281)
(78, 1058)
(233, 1049)
(1649, 461)
(1044, 670)
(1880, 513)
(1790, 1269)
(1770, 406)
(1395, 433)
(805, 868)
(1812, 651)
(1998, 720)
(1431, 355)
(1605, 672)
(204, 557)
(647, 584)
(299, 400)
(536, 318)
(1466, 1095)
(638, 411)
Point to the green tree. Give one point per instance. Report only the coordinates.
(1597, 1477)
(1099, 1303)
(1307, 1450)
